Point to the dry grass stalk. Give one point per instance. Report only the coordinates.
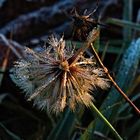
(114, 83)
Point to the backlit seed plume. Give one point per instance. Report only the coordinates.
(54, 78)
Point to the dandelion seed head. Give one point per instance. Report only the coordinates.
(53, 82)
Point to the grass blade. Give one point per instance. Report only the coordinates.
(63, 127)
(11, 134)
(124, 23)
(106, 122)
(125, 76)
(127, 15)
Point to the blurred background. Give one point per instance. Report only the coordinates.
(29, 23)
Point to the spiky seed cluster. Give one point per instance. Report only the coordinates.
(83, 24)
(53, 79)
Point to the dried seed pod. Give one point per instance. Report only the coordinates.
(54, 81)
(83, 24)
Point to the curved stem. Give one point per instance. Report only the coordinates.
(114, 83)
(112, 129)
(91, 38)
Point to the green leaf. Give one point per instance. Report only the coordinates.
(111, 48)
(63, 127)
(125, 107)
(131, 131)
(9, 133)
(127, 15)
(124, 23)
(88, 132)
(125, 76)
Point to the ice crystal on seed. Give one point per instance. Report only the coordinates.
(53, 80)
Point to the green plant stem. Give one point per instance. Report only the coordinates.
(93, 107)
